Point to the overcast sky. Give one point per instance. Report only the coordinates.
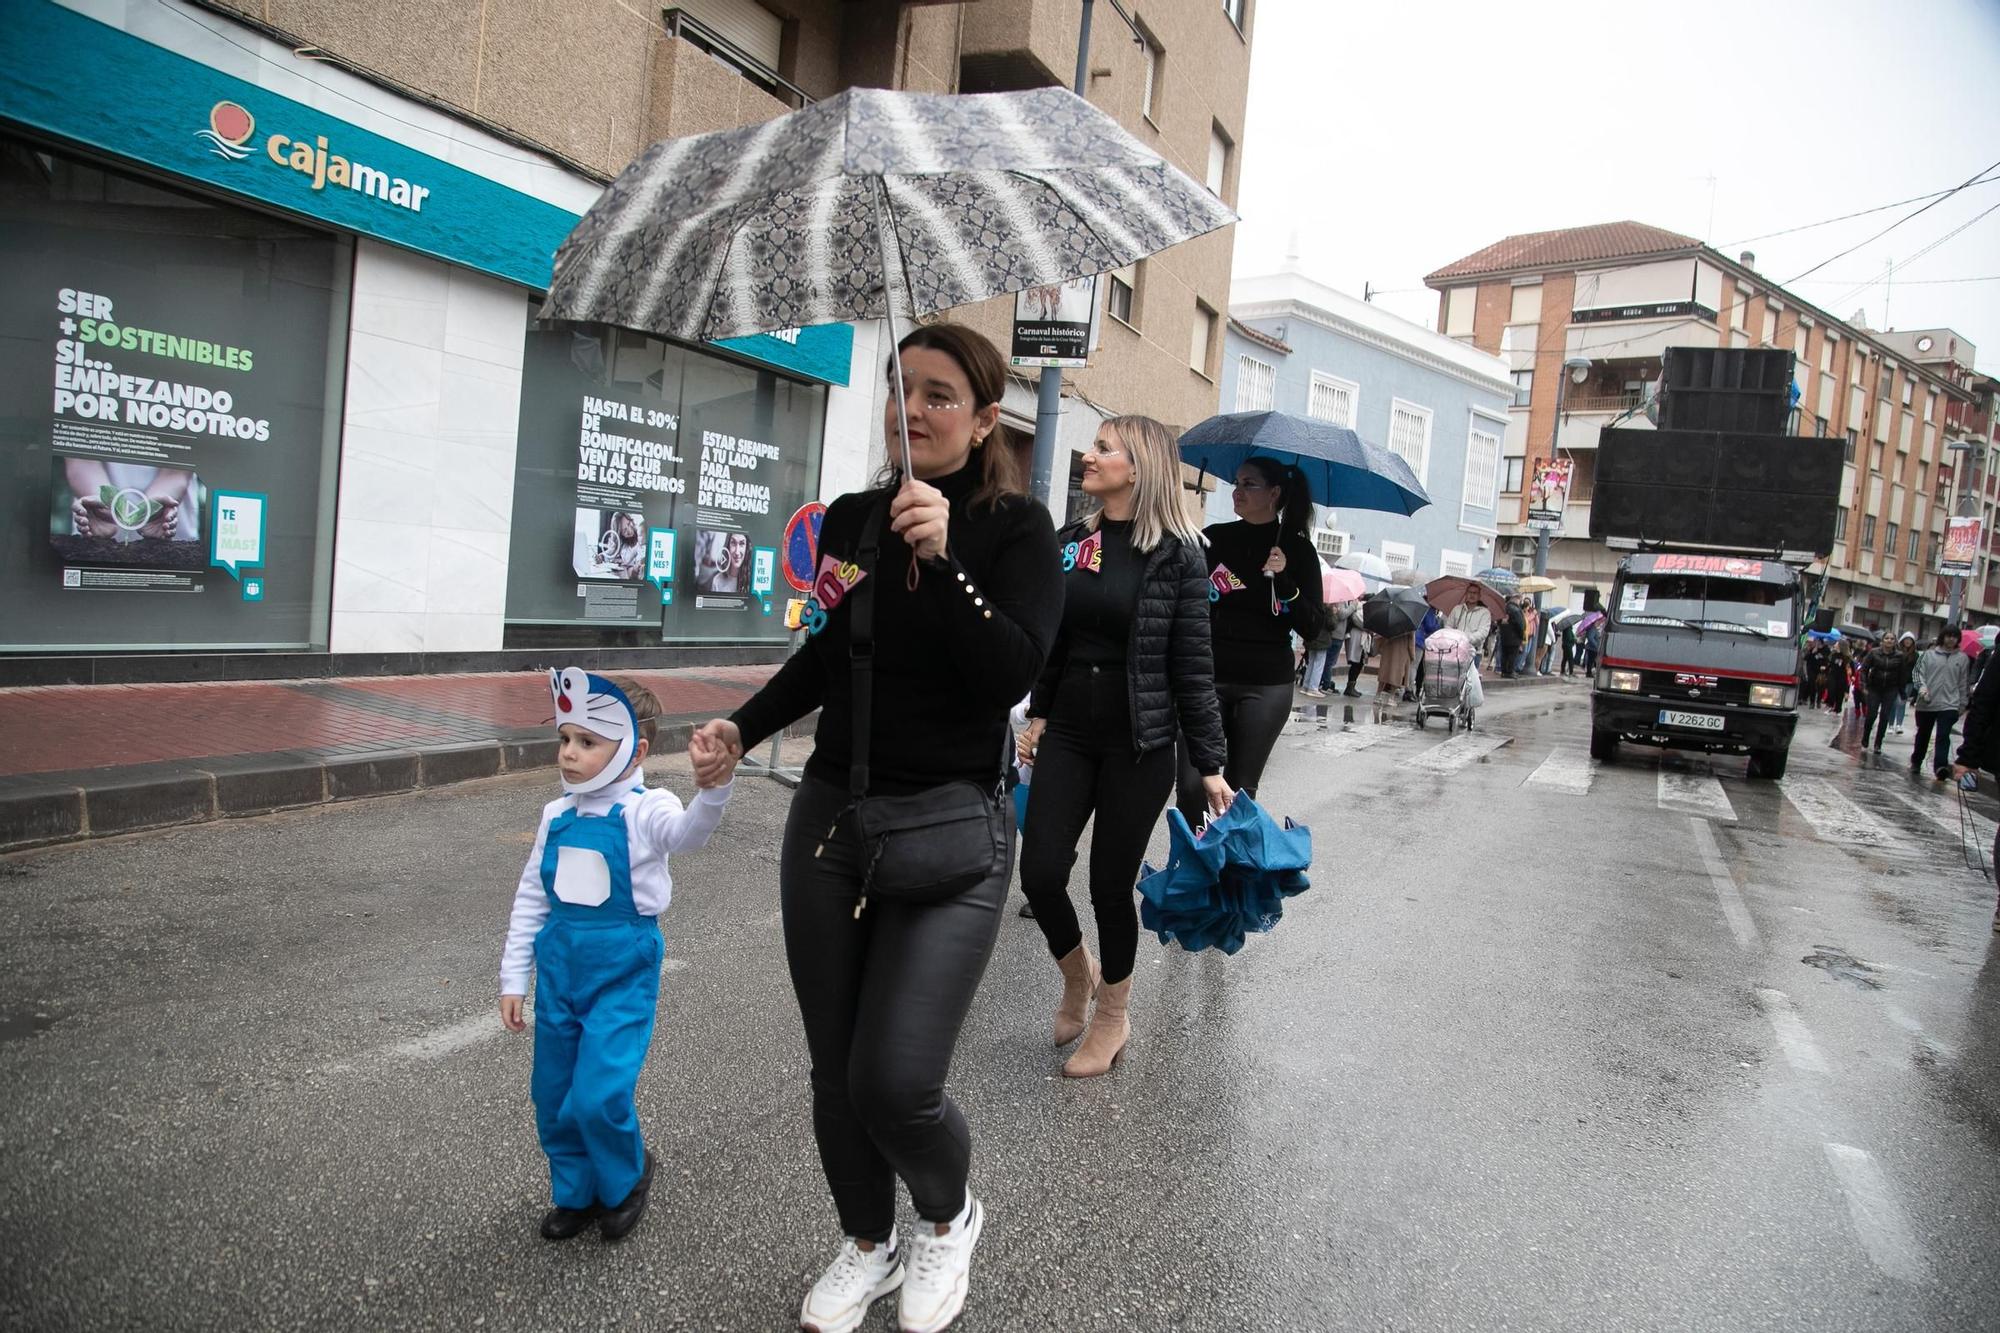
(1394, 138)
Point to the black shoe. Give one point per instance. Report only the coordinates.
(1916, 766)
(568, 1223)
(1351, 692)
(619, 1221)
(1944, 775)
(1027, 910)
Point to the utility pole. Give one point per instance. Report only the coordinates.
(1048, 394)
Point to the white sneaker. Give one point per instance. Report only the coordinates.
(855, 1280)
(939, 1269)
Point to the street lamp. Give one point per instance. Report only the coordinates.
(1575, 371)
(1964, 509)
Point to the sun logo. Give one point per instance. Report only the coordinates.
(229, 125)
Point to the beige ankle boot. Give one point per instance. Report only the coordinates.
(1108, 1031)
(1080, 977)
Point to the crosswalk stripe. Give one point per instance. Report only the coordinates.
(1568, 769)
(1946, 815)
(1694, 794)
(1343, 742)
(1457, 752)
(1836, 819)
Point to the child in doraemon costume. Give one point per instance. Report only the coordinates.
(586, 923)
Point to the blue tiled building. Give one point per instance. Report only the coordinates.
(1295, 345)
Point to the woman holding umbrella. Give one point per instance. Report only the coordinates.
(966, 591)
(1264, 583)
(1129, 669)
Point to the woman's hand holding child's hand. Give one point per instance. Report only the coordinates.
(714, 749)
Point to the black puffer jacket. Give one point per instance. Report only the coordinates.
(1170, 674)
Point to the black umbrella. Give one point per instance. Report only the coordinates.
(1394, 612)
(1858, 632)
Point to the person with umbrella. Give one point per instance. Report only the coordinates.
(1264, 583)
(1359, 645)
(1130, 667)
(1471, 617)
(967, 590)
(1513, 633)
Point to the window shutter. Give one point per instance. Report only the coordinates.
(742, 23)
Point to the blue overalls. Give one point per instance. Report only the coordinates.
(597, 963)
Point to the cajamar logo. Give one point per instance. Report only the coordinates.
(229, 125)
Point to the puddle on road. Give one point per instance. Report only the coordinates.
(21, 1026)
(1844, 966)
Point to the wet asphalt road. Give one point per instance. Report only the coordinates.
(1546, 1046)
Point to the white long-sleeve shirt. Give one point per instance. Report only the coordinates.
(656, 824)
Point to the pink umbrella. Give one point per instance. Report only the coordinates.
(1341, 585)
(1976, 641)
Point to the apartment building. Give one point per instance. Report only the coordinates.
(1586, 313)
(362, 202)
(1296, 345)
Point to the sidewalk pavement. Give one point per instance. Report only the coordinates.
(84, 761)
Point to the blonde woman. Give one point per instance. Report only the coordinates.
(1130, 666)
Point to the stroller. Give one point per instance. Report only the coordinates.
(1451, 687)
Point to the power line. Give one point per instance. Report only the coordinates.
(1897, 223)
(1983, 179)
(1900, 282)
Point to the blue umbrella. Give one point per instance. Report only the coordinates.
(1229, 882)
(1342, 469)
(1503, 581)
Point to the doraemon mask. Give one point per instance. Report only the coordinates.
(600, 708)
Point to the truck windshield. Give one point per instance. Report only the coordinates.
(1741, 606)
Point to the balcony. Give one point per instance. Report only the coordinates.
(1611, 391)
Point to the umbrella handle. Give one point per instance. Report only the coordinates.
(884, 236)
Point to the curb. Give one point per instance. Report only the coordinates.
(49, 809)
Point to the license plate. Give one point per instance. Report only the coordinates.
(1697, 721)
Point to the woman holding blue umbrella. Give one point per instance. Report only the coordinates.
(1264, 584)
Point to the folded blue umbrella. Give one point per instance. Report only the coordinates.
(1230, 882)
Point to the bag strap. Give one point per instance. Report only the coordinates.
(861, 648)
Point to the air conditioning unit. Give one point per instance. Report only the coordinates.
(1522, 564)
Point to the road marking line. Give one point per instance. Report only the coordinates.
(1800, 1050)
(440, 1042)
(1946, 817)
(1878, 1219)
(1836, 819)
(1456, 753)
(1695, 794)
(1342, 742)
(1904, 1020)
(1734, 910)
(1568, 768)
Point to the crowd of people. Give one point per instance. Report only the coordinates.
(1524, 641)
(1882, 682)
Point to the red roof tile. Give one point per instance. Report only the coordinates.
(1258, 336)
(1569, 246)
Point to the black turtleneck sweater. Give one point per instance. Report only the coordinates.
(1252, 645)
(951, 658)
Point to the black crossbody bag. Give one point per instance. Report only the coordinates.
(933, 844)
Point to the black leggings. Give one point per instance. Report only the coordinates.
(883, 997)
(1252, 718)
(1085, 766)
(1354, 672)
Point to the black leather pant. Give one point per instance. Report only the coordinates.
(1084, 767)
(883, 997)
(1252, 718)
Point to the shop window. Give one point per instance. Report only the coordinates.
(654, 491)
(173, 370)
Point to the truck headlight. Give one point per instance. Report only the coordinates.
(1625, 681)
(1771, 696)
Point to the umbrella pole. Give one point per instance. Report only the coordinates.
(883, 237)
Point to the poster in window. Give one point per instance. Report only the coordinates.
(1548, 494)
(628, 440)
(1052, 323)
(164, 355)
